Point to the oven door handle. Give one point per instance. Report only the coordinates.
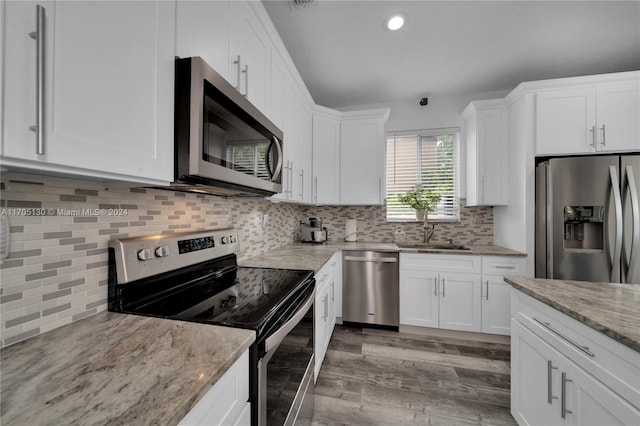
(276, 338)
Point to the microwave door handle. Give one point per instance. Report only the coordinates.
(267, 159)
(276, 173)
(617, 249)
(630, 188)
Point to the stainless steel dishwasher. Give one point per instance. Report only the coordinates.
(370, 290)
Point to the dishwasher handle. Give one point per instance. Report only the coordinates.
(371, 259)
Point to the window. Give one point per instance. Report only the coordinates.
(248, 157)
(428, 158)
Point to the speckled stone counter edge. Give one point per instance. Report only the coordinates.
(526, 286)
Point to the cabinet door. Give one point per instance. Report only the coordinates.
(203, 30)
(108, 103)
(320, 327)
(618, 115)
(361, 164)
(535, 379)
(565, 121)
(331, 291)
(279, 76)
(419, 298)
(592, 403)
(249, 42)
(496, 305)
(303, 151)
(491, 150)
(326, 159)
(460, 302)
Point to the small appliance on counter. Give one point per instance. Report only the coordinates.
(313, 232)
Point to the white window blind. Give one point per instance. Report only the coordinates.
(429, 158)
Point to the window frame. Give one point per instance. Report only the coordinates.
(456, 170)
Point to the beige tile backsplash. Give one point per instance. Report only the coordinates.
(57, 270)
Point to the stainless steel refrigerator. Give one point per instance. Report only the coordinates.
(588, 219)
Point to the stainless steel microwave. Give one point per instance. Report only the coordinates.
(223, 144)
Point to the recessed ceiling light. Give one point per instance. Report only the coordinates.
(395, 21)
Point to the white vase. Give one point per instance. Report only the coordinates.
(420, 214)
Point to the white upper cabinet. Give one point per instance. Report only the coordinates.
(589, 119)
(249, 54)
(362, 145)
(107, 100)
(302, 165)
(203, 30)
(486, 127)
(326, 157)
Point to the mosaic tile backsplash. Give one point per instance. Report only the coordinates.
(475, 225)
(56, 272)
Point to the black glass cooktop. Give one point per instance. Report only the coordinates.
(216, 294)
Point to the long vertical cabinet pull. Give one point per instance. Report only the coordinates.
(487, 295)
(617, 250)
(239, 72)
(550, 369)
(38, 35)
(593, 137)
(563, 403)
(443, 284)
(436, 283)
(245, 71)
(302, 185)
(326, 307)
(481, 189)
(603, 142)
(629, 187)
(315, 192)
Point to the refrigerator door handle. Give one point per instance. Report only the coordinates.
(629, 187)
(617, 250)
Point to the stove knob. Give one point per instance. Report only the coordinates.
(225, 240)
(233, 238)
(162, 251)
(145, 254)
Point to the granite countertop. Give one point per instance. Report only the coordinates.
(312, 256)
(117, 369)
(612, 309)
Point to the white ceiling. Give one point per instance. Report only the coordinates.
(347, 57)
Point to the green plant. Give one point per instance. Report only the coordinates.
(419, 198)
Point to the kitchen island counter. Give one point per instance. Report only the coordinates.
(312, 256)
(612, 309)
(117, 369)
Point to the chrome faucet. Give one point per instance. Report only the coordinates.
(429, 230)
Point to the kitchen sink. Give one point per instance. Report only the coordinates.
(423, 246)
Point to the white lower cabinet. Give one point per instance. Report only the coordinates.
(226, 402)
(327, 284)
(433, 295)
(457, 292)
(564, 372)
(547, 388)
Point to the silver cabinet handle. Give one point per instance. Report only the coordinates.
(291, 179)
(380, 190)
(245, 71)
(333, 291)
(239, 71)
(482, 189)
(302, 184)
(487, 296)
(593, 136)
(443, 284)
(617, 249)
(550, 368)
(436, 283)
(603, 142)
(629, 187)
(504, 267)
(39, 36)
(563, 403)
(547, 325)
(326, 306)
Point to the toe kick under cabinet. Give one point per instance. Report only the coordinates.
(457, 292)
(566, 373)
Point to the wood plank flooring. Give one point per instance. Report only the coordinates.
(379, 377)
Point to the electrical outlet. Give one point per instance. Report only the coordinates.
(265, 220)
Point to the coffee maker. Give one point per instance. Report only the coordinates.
(312, 231)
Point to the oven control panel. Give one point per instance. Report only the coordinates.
(140, 257)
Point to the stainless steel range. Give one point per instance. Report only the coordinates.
(194, 277)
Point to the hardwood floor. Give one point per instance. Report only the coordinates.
(379, 377)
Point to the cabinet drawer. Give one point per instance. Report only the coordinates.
(226, 399)
(502, 265)
(441, 262)
(611, 362)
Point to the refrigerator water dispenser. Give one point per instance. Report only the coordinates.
(584, 227)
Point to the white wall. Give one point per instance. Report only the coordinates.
(440, 112)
